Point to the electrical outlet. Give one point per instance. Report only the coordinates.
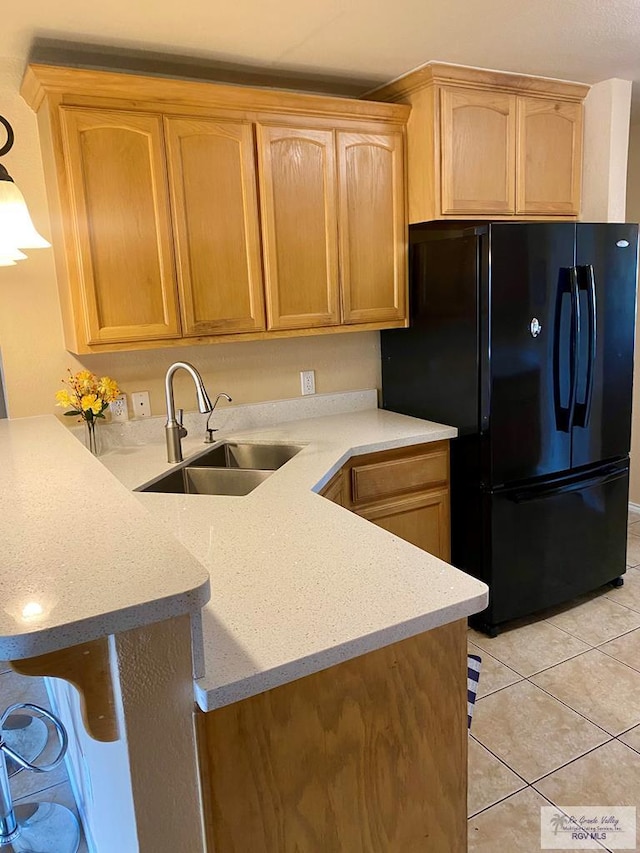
(308, 381)
(141, 404)
(119, 408)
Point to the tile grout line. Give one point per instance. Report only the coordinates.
(502, 761)
(621, 604)
(534, 674)
(500, 689)
(612, 657)
(572, 761)
(556, 806)
(575, 711)
(529, 786)
(592, 647)
(635, 749)
(528, 678)
(610, 737)
(497, 802)
(513, 794)
(41, 790)
(556, 769)
(575, 636)
(537, 672)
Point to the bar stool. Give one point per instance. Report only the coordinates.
(34, 827)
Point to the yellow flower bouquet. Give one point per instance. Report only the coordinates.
(87, 397)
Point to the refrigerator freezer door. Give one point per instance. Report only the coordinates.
(528, 266)
(555, 541)
(606, 263)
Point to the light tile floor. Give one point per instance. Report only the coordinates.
(557, 719)
(25, 786)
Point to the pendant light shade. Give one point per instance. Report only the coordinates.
(16, 228)
(8, 257)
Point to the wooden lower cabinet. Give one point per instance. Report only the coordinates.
(334, 490)
(369, 756)
(405, 491)
(421, 519)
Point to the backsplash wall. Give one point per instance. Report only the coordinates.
(249, 372)
(31, 338)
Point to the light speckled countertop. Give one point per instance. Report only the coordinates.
(299, 584)
(79, 557)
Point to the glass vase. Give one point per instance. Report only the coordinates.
(92, 437)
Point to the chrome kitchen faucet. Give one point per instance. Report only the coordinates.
(174, 431)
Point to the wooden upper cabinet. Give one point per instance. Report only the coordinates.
(213, 192)
(297, 172)
(187, 212)
(549, 156)
(123, 255)
(477, 130)
(487, 144)
(372, 226)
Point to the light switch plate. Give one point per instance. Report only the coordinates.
(141, 404)
(119, 408)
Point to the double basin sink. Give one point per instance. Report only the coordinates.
(229, 468)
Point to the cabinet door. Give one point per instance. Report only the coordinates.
(549, 157)
(297, 178)
(372, 225)
(213, 192)
(422, 519)
(118, 187)
(477, 131)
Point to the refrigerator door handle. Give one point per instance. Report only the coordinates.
(606, 475)
(568, 284)
(587, 282)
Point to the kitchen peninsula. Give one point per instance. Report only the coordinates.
(330, 657)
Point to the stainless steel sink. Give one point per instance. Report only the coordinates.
(229, 468)
(236, 454)
(208, 481)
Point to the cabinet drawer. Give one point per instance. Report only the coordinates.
(373, 481)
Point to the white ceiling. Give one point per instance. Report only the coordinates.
(366, 41)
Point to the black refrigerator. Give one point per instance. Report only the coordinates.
(522, 337)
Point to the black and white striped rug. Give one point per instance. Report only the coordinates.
(474, 662)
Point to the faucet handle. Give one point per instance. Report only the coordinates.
(179, 417)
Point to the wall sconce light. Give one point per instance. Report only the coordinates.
(16, 228)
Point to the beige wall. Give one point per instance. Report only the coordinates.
(633, 215)
(606, 134)
(31, 333)
(611, 193)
